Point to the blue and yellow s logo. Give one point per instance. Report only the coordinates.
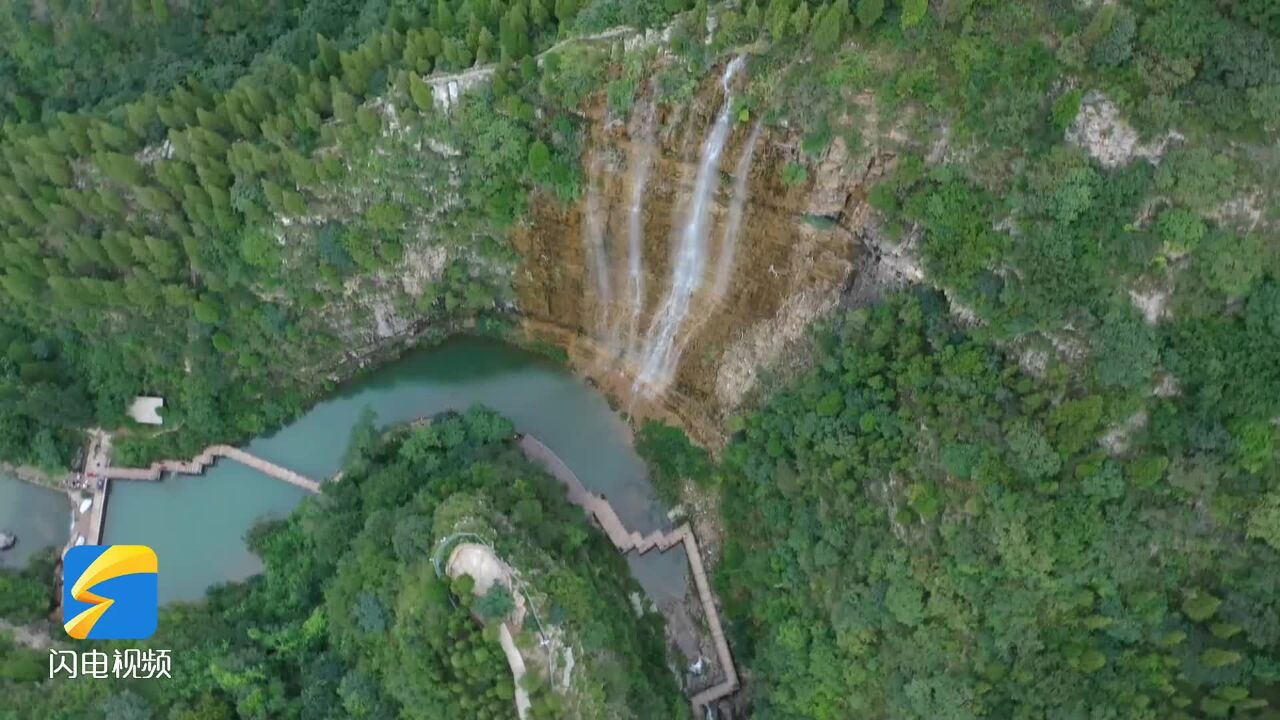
(110, 592)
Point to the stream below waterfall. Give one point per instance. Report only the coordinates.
(196, 524)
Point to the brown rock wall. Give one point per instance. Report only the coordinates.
(796, 243)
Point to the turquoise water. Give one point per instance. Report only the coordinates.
(40, 517)
(197, 525)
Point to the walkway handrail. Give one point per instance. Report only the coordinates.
(197, 465)
(603, 513)
(596, 507)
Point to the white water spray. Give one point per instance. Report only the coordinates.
(737, 210)
(640, 162)
(659, 359)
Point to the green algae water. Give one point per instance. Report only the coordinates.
(197, 524)
(40, 517)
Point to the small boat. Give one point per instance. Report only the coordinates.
(7, 540)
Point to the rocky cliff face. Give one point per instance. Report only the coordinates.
(796, 252)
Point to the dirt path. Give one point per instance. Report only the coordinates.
(486, 568)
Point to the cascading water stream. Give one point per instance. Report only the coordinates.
(737, 210)
(640, 162)
(659, 354)
(728, 246)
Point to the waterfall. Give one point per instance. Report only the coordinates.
(593, 227)
(737, 209)
(642, 147)
(728, 239)
(659, 354)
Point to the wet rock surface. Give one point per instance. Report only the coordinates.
(796, 253)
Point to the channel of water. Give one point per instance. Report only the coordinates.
(40, 517)
(197, 524)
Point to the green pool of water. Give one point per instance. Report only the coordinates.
(197, 525)
(38, 516)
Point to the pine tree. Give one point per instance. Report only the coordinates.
(515, 32)
(115, 137)
(827, 28)
(57, 169)
(165, 255)
(328, 55)
(355, 73)
(420, 91)
(121, 168)
(869, 11)
(344, 107)
(368, 121)
(565, 10)
(273, 194)
(484, 46)
(539, 14)
(443, 20)
(800, 19)
(913, 11)
(141, 117)
(294, 204)
(754, 17)
(472, 37)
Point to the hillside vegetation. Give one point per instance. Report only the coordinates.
(231, 230)
(350, 620)
(1041, 482)
(1049, 490)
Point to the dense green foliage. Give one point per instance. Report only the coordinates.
(672, 459)
(75, 55)
(25, 593)
(350, 620)
(919, 529)
(1064, 509)
(1065, 506)
(229, 231)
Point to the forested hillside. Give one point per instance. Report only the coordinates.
(921, 529)
(234, 229)
(350, 620)
(1051, 489)
(1028, 469)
